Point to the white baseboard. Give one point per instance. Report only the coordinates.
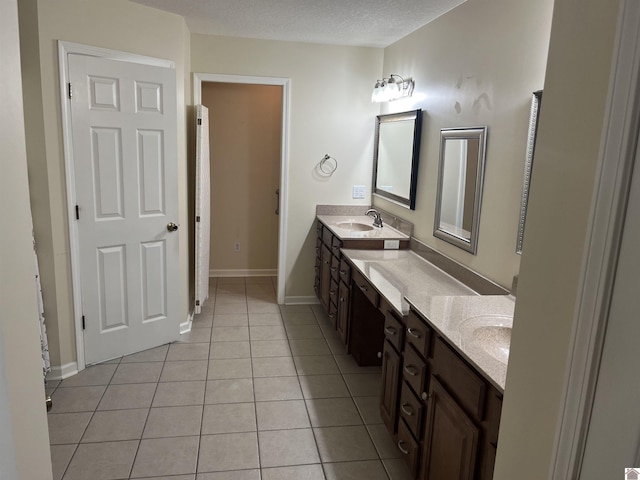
(60, 372)
(186, 326)
(268, 272)
(301, 300)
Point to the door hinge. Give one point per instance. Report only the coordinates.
(77, 212)
(83, 325)
(197, 218)
(197, 303)
(70, 92)
(199, 121)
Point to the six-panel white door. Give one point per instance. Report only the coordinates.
(124, 133)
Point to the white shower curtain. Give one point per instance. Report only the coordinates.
(203, 206)
(44, 344)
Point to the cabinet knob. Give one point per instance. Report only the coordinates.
(379, 354)
(425, 396)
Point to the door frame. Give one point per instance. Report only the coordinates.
(285, 83)
(64, 50)
(610, 198)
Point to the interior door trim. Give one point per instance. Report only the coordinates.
(285, 83)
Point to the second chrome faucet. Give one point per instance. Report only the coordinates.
(377, 220)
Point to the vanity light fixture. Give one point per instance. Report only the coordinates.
(392, 88)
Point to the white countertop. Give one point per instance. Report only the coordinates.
(401, 273)
(384, 233)
(453, 309)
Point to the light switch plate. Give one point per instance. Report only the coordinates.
(392, 244)
(358, 191)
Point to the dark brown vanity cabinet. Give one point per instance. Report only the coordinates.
(446, 416)
(332, 280)
(366, 322)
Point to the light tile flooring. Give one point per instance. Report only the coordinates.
(254, 392)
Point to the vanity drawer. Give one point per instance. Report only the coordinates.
(345, 272)
(366, 288)
(336, 245)
(411, 410)
(393, 330)
(319, 230)
(414, 370)
(408, 447)
(419, 334)
(327, 236)
(461, 381)
(335, 267)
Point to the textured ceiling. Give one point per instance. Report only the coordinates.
(370, 23)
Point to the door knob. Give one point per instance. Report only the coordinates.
(172, 227)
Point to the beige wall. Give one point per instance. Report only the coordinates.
(118, 25)
(245, 128)
(331, 112)
(21, 379)
(570, 128)
(475, 65)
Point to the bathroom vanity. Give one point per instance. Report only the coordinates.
(442, 347)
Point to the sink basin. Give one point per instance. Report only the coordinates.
(355, 226)
(494, 340)
(489, 333)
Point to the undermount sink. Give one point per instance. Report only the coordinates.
(494, 340)
(355, 226)
(489, 333)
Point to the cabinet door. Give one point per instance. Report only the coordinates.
(325, 278)
(342, 325)
(390, 381)
(451, 439)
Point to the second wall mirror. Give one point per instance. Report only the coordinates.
(460, 178)
(395, 157)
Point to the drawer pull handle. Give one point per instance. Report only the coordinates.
(343, 272)
(411, 332)
(406, 452)
(411, 370)
(333, 269)
(332, 293)
(390, 331)
(332, 315)
(363, 288)
(405, 410)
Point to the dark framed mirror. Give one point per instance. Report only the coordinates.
(396, 154)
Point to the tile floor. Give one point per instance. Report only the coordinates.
(255, 391)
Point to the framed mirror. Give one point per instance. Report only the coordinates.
(396, 153)
(534, 113)
(460, 178)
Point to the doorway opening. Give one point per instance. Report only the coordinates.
(249, 120)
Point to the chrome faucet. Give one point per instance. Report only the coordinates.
(377, 221)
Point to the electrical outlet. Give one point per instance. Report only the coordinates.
(236, 247)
